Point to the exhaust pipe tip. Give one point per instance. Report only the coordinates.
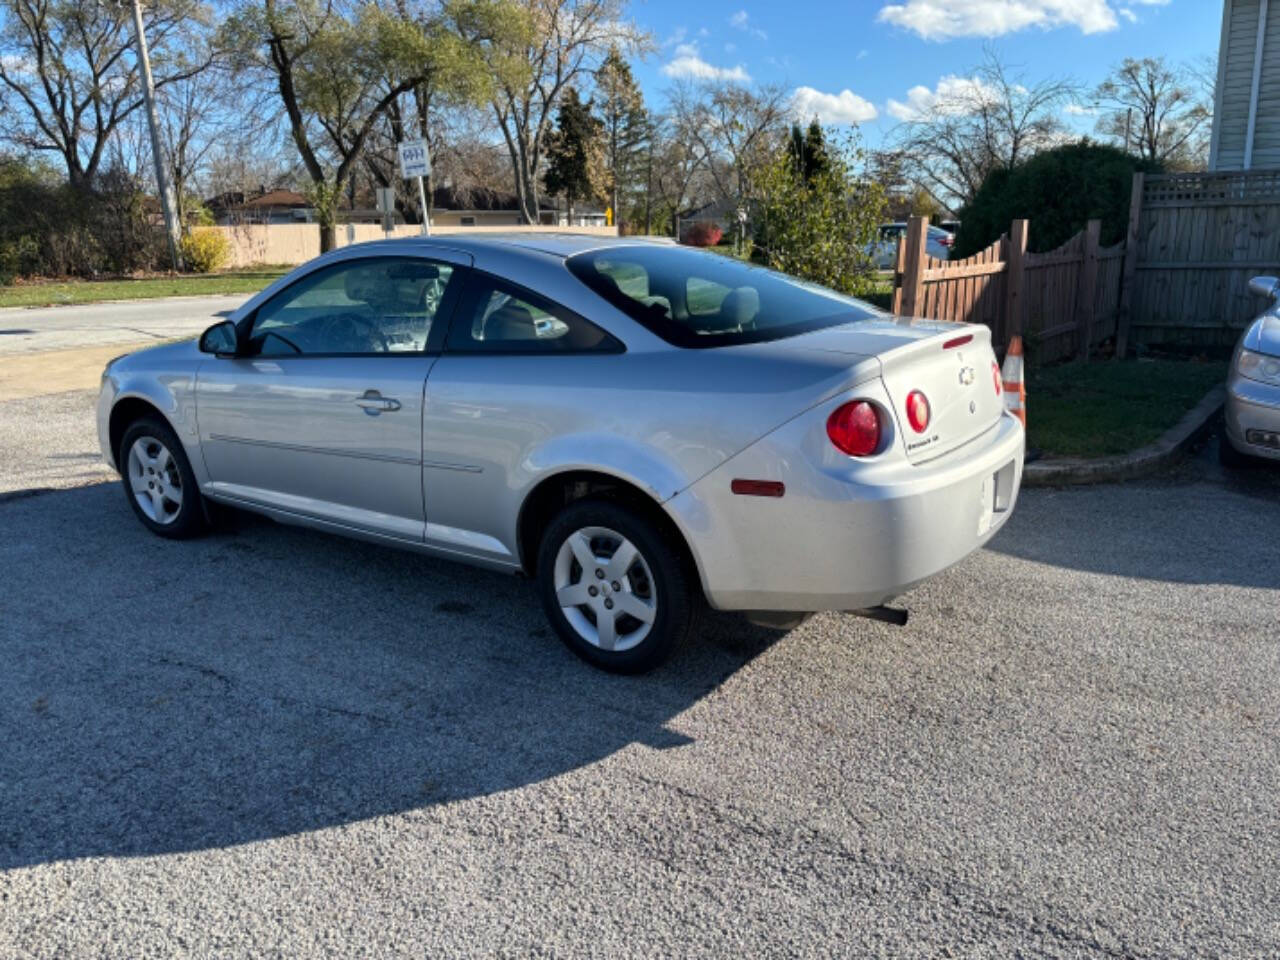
(893, 615)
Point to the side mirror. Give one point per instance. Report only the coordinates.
(1268, 287)
(221, 339)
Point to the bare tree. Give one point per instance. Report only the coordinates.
(339, 70)
(562, 39)
(951, 139)
(1160, 112)
(737, 129)
(71, 75)
(677, 160)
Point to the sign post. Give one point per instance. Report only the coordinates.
(387, 204)
(415, 162)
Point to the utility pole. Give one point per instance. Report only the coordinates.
(167, 204)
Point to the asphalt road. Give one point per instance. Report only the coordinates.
(131, 322)
(271, 742)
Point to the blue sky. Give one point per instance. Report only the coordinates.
(880, 50)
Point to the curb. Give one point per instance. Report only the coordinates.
(1124, 466)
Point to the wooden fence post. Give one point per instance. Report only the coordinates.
(1015, 269)
(1087, 291)
(899, 261)
(1129, 276)
(913, 259)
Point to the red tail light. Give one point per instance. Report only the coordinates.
(917, 411)
(947, 241)
(995, 376)
(855, 428)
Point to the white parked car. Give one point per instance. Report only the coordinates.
(636, 425)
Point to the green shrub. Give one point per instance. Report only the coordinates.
(49, 228)
(1059, 191)
(819, 222)
(205, 250)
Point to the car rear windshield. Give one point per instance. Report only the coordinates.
(693, 298)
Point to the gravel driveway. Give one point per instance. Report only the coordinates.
(277, 743)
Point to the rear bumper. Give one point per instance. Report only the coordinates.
(1252, 414)
(846, 534)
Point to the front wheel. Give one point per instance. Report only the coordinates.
(615, 586)
(158, 481)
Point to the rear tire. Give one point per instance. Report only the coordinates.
(158, 481)
(615, 586)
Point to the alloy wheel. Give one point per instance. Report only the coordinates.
(155, 480)
(605, 588)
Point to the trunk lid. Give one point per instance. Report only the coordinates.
(950, 363)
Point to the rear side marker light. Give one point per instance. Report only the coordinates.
(995, 377)
(957, 341)
(918, 411)
(854, 428)
(758, 488)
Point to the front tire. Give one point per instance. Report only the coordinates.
(615, 586)
(158, 481)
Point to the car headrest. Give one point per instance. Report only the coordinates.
(511, 321)
(364, 285)
(739, 308)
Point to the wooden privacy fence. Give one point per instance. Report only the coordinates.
(1060, 302)
(1195, 241)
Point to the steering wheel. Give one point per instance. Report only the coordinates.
(354, 331)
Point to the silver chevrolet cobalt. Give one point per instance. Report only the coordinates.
(640, 427)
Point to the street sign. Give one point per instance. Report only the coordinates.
(414, 159)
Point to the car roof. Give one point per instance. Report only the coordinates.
(564, 244)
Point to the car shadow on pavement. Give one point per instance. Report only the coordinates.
(1196, 522)
(162, 696)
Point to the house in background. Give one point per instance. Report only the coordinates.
(1246, 108)
(480, 207)
(265, 206)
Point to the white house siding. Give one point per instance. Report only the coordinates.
(1237, 58)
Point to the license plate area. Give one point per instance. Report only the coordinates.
(995, 496)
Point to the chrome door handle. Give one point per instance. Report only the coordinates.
(374, 403)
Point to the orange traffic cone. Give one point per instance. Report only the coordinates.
(1015, 390)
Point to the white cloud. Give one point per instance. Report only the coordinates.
(945, 19)
(1080, 110)
(954, 95)
(831, 108)
(742, 21)
(677, 36)
(688, 64)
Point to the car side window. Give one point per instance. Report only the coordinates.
(371, 306)
(500, 317)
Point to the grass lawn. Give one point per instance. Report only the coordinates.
(1105, 407)
(52, 293)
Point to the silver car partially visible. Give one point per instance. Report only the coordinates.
(639, 426)
(884, 249)
(1252, 410)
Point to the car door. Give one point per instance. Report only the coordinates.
(320, 412)
(517, 371)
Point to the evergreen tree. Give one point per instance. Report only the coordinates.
(575, 153)
(808, 150)
(625, 123)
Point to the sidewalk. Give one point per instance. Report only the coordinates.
(130, 323)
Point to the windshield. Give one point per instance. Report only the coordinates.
(692, 298)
